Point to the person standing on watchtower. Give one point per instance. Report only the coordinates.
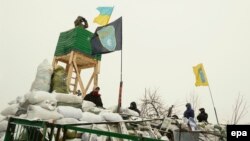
(79, 20)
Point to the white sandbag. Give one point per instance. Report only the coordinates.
(113, 109)
(67, 121)
(48, 104)
(96, 110)
(18, 100)
(36, 97)
(76, 139)
(2, 136)
(37, 112)
(67, 98)
(91, 118)
(11, 110)
(86, 105)
(2, 118)
(3, 125)
(111, 116)
(127, 111)
(164, 138)
(70, 112)
(43, 77)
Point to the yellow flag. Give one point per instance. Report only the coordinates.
(200, 75)
(104, 16)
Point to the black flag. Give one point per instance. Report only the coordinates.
(107, 38)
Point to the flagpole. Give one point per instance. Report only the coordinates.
(213, 104)
(120, 89)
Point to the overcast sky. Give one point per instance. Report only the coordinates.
(162, 41)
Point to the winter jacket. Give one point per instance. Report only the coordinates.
(189, 112)
(133, 107)
(95, 98)
(202, 117)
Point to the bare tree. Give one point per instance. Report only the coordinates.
(152, 105)
(194, 100)
(239, 109)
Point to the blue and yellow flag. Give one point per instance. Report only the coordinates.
(200, 75)
(104, 16)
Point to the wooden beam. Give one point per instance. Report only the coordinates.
(90, 80)
(95, 77)
(98, 67)
(79, 78)
(76, 82)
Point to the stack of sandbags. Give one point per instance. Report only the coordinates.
(43, 77)
(41, 105)
(68, 100)
(3, 125)
(59, 81)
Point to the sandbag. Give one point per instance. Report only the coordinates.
(37, 112)
(68, 98)
(2, 118)
(96, 110)
(39, 96)
(70, 112)
(67, 121)
(75, 105)
(2, 136)
(59, 81)
(86, 105)
(111, 116)
(164, 138)
(3, 125)
(43, 77)
(11, 110)
(74, 139)
(127, 111)
(91, 118)
(18, 100)
(48, 104)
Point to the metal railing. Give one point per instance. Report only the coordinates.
(33, 130)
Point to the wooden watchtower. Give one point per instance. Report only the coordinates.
(74, 49)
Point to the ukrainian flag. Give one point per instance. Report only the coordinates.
(104, 16)
(200, 75)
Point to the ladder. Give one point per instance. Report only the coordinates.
(76, 62)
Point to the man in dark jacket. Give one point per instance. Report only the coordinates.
(202, 117)
(94, 97)
(133, 107)
(189, 111)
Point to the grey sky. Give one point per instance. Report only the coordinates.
(162, 40)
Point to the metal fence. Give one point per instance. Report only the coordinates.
(33, 130)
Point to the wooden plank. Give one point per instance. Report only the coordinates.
(76, 83)
(95, 77)
(69, 75)
(71, 57)
(98, 67)
(79, 78)
(54, 63)
(90, 80)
